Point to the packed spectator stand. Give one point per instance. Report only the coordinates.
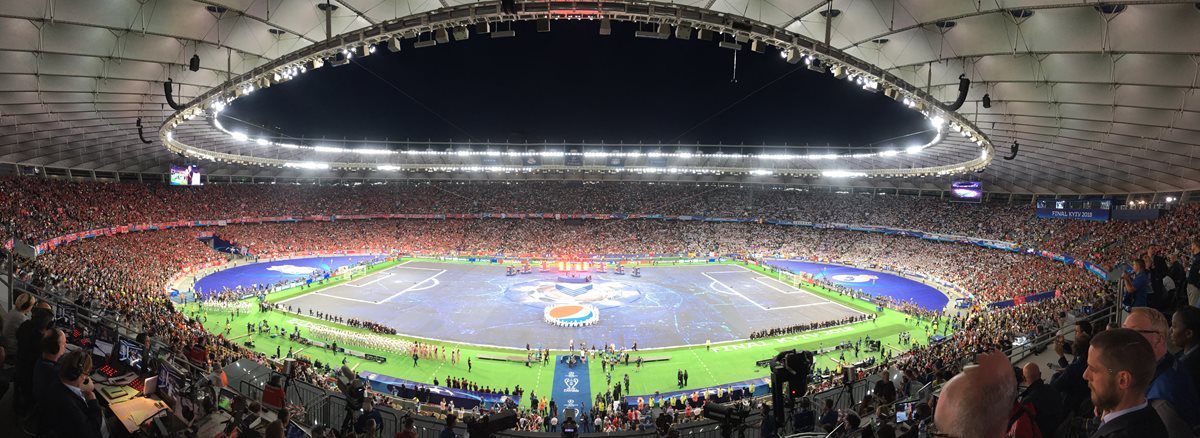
(124, 275)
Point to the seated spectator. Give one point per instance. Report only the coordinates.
(1120, 369)
(1047, 403)
(45, 372)
(976, 402)
(70, 409)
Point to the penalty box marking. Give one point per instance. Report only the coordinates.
(755, 303)
(414, 286)
(827, 300)
(824, 301)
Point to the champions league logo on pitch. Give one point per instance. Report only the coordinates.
(599, 293)
(853, 278)
(572, 382)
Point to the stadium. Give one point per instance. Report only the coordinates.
(519, 219)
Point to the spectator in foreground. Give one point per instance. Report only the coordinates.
(1119, 371)
(1172, 386)
(71, 409)
(1185, 333)
(1046, 402)
(976, 402)
(45, 371)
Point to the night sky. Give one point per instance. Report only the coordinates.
(573, 84)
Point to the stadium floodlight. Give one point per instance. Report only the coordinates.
(239, 136)
(842, 174)
(761, 172)
(889, 153)
(306, 165)
(937, 122)
(262, 142)
(793, 55)
(913, 150)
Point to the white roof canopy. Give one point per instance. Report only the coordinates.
(1102, 100)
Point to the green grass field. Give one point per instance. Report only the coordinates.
(724, 363)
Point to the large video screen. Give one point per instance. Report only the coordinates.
(966, 191)
(185, 175)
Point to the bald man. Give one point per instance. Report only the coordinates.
(1046, 401)
(1170, 385)
(976, 402)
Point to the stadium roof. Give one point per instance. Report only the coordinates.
(1102, 98)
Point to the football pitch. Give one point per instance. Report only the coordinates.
(671, 311)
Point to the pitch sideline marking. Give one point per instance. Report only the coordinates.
(372, 281)
(760, 306)
(410, 288)
(760, 281)
(813, 294)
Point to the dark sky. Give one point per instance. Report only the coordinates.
(573, 84)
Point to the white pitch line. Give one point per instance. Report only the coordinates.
(725, 272)
(823, 298)
(760, 281)
(335, 296)
(803, 305)
(760, 306)
(410, 288)
(381, 277)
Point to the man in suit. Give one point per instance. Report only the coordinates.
(1069, 382)
(1185, 333)
(1120, 369)
(976, 402)
(1173, 387)
(71, 409)
(45, 371)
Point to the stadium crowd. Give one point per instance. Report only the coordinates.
(44, 209)
(1150, 388)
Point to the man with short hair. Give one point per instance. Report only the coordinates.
(1185, 333)
(1174, 387)
(976, 402)
(45, 371)
(13, 320)
(1119, 372)
(70, 408)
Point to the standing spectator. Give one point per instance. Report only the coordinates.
(408, 429)
(13, 320)
(1119, 371)
(1185, 333)
(1193, 274)
(1169, 385)
(1137, 285)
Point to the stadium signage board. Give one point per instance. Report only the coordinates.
(1082, 209)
